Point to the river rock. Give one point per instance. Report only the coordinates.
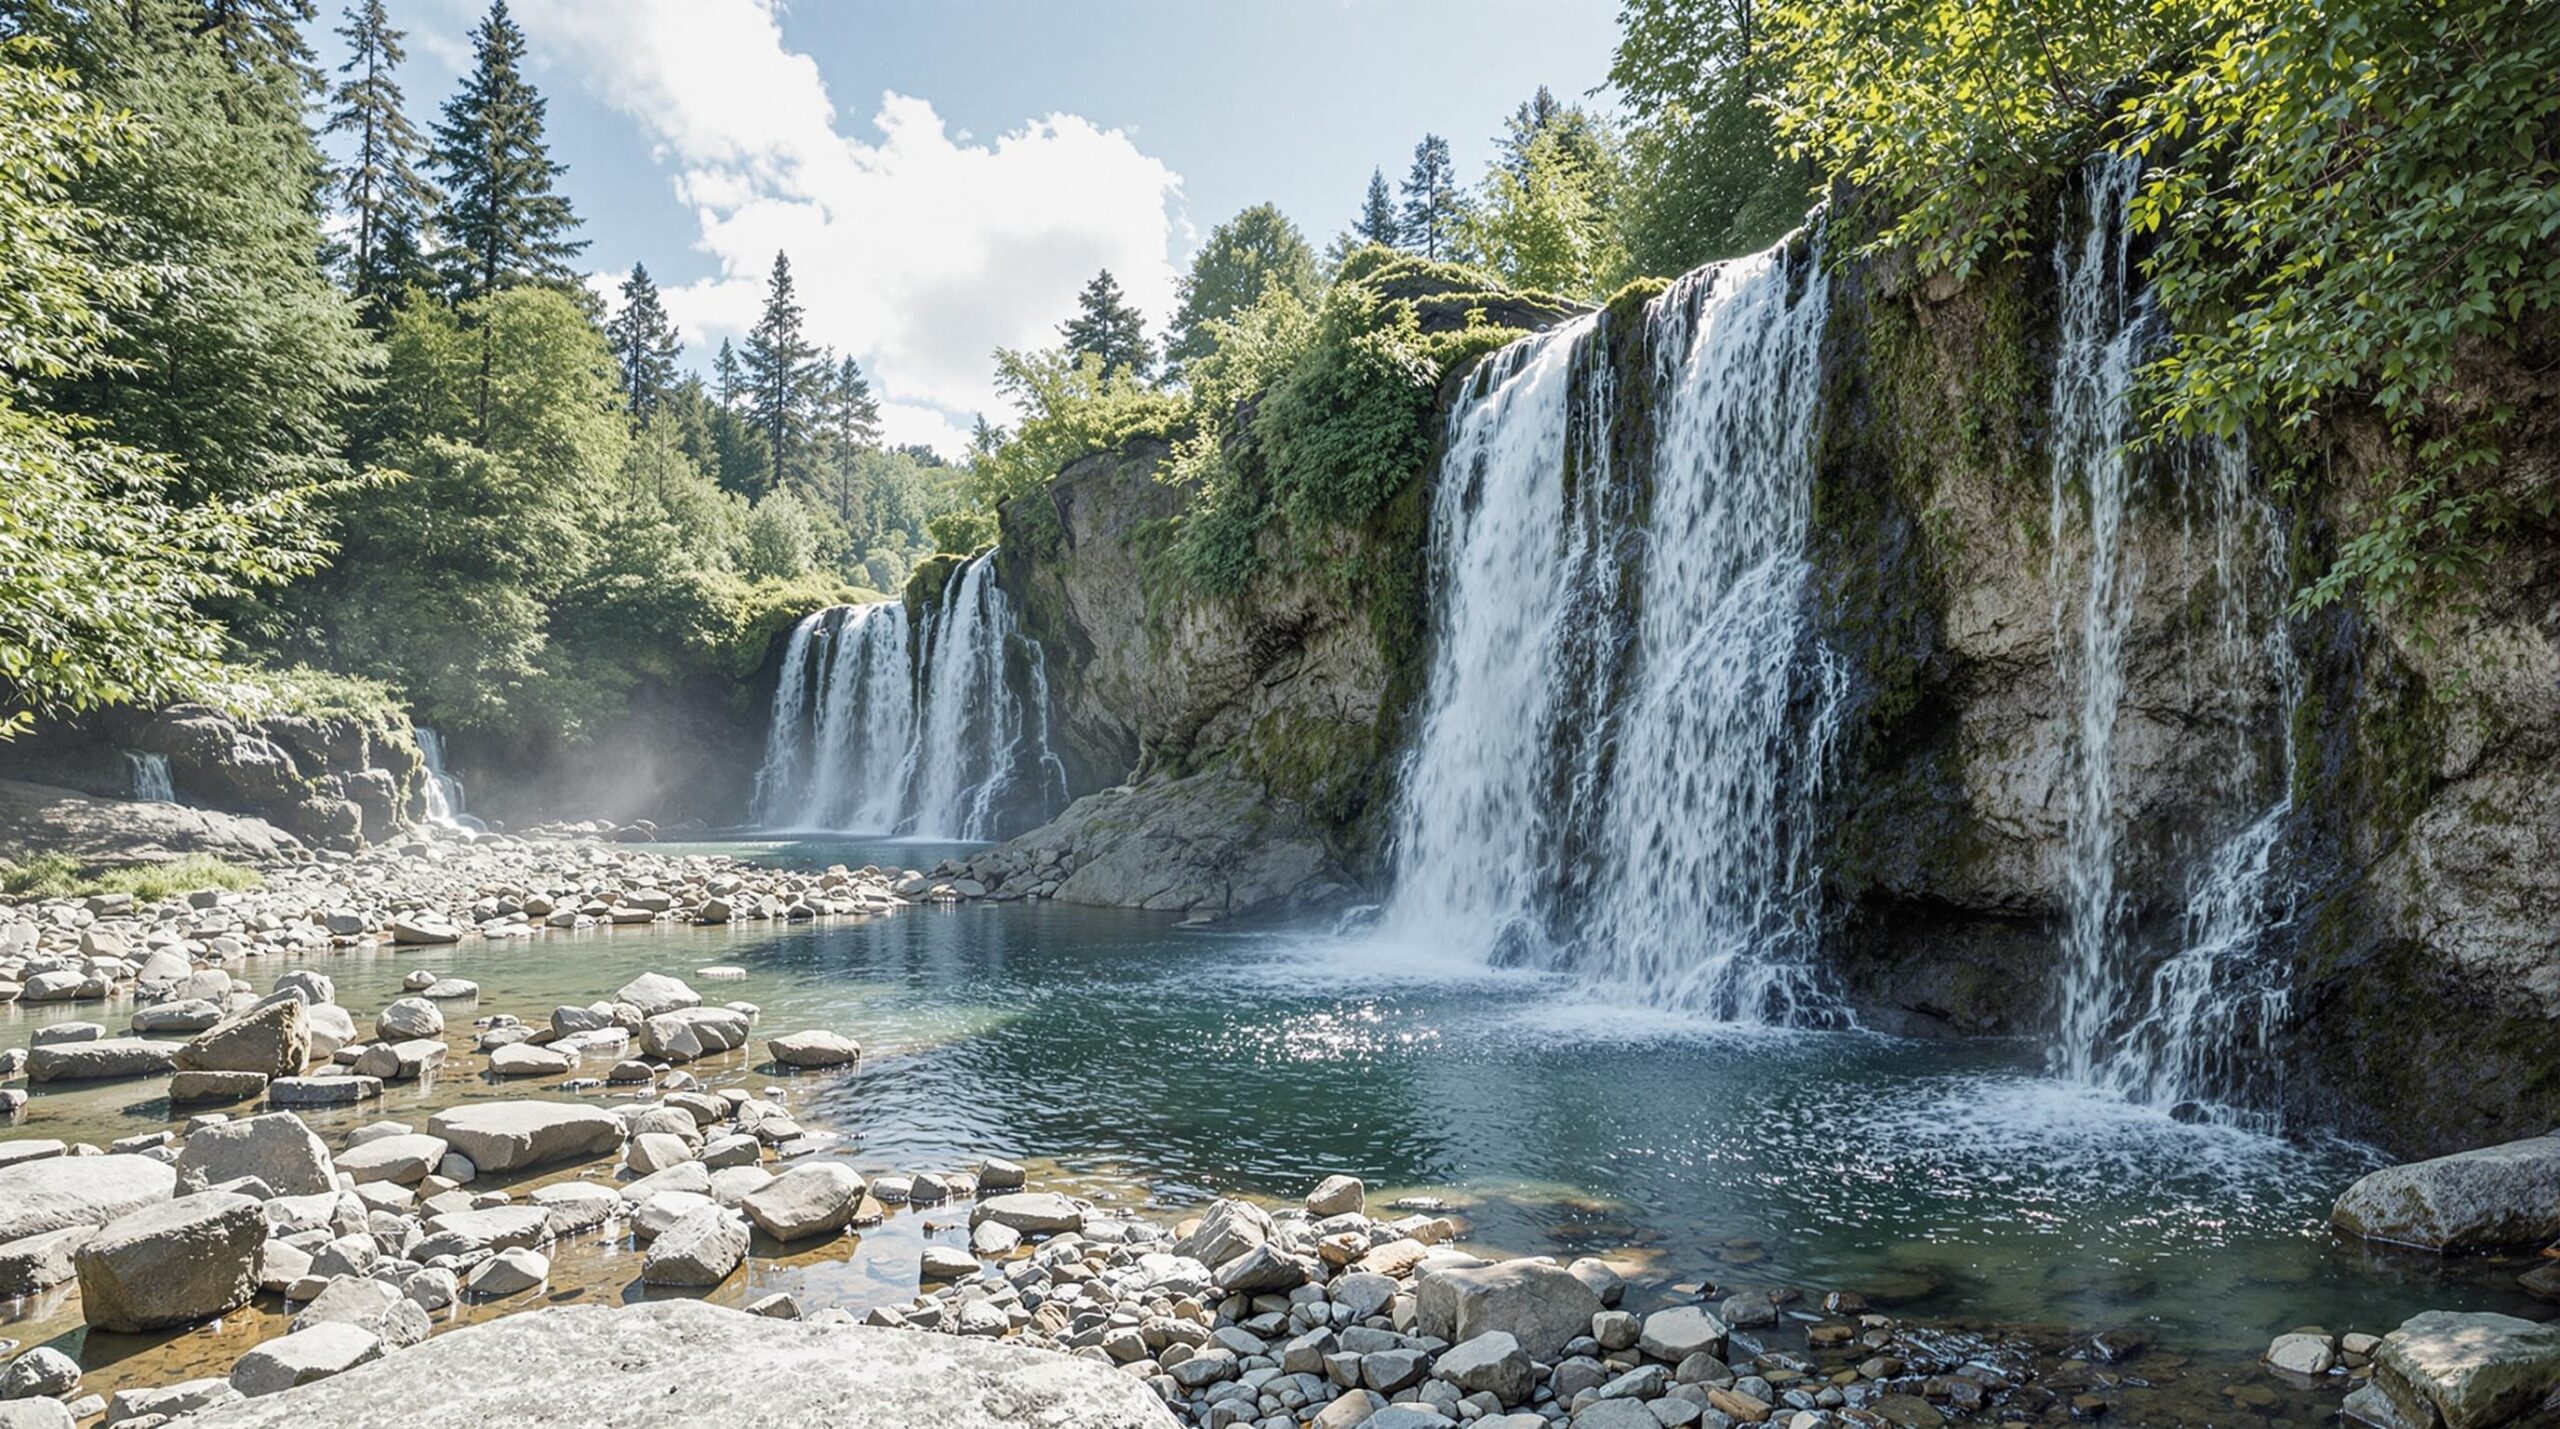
(332, 1027)
(190, 1015)
(172, 1264)
(409, 1017)
(1535, 1302)
(273, 1040)
(816, 1198)
(198, 1088)
(1338, 1196)
(58, 1192)
(304, 1356)
(2467, 1370)
(701, 1249)
(39, 1262)
(1492, 1363)
(98, 1060)
(367, 1304)
(1031, 1212)
(509, 1272)
(403, 1061)
(522, 1059)
(169, 1401)
(688, 1033)
(310, 985)
(322, 1091)
(644, 1367)
(656, 993)
(814, 1049)
(516, 1135)
(488, 1228)
(1227, 1229)
(1683, 1330)
(276, 1148)
(42, 1370)
(402, 1158)
(2494, 1198)
(421, 930)
(2302, 1354)
(37, 1413)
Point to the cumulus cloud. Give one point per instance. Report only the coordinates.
(917, 250)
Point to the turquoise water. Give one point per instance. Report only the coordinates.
(1154, 1066)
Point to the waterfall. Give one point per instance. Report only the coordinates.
(1626, 714)
(2180, 1018)
(443, 791)
(151, 782)
(885, 725)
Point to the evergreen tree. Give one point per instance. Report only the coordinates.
(1256, 249)
(644, 343)
(1106, 326)
(849, 412)
(730, 377)
(384, 193)
(1377, 222)
(783, 374)
(1432, 207)
(503, 222)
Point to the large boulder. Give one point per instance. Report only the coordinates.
(2468, 1371)
(677, 1364)
(273, 1041)
(39, 1262)
(2495, 1198)
(515, 1135)
(42, 816)
(1491, 1363)
(817, 1198)
(1536, 1302)
(406, 1159)
(276, 1148)
(691, 1032)
(814, 1048)
(408, 1017)
(61, 1191)
(304, 1356)
(654, 993)
(171, 1264)
(97, 1060)
(701, 1249)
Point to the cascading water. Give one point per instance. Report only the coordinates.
(1627, 713)
(443, 791)
(2191, 1032)
(885, 725)
(151, 782)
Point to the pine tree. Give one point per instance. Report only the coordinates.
(1431, 204)
(729, 377)
(384, 192)
(851, 414)
(1377, 222)
(504, 223)
(1106, 326)
(1525, 124)
(783, 374)
(644, 343)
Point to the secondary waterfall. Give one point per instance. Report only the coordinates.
(2179, 1018)
(886, 725)
(443, 792)
(1627, 716)
(151, 782)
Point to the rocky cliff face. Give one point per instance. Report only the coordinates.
(335, 780)
(1255, 734)
(1259, 737)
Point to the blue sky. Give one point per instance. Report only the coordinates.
(945, 176)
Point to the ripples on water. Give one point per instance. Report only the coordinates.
(1159, 1067)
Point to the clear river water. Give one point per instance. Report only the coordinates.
(1148, 1065)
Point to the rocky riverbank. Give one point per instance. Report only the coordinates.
(294, 1256)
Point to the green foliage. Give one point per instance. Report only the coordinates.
(387, 199)
(254, 692)
(1106, 327)
(2350, 200)
(1257, 249)
(778, 542)
(54, 875)
(104, 571)
(1705, 175)
(1070, 405)
(503, 222)
(1547, 220)
(238, 359)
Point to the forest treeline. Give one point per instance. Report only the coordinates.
(263, 407)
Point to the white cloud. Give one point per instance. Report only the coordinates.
(915, 250)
